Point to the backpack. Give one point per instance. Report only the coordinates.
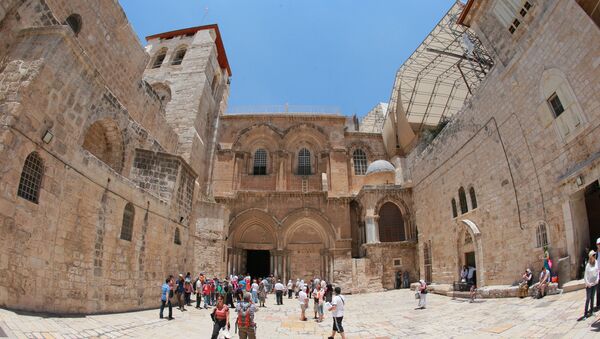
(243, 319)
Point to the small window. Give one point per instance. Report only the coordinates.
(179, 55)
(397, 262)
(555, 105)
(541, 235)
(260, 162)
(473, 197)
(74, 21)
(127, 225)
(527, 5)
(462, 199)
(31, 178)
(159, 58)
(516, 23)
(177, 237)
(454, 210)
(360, 162)
(304, 162)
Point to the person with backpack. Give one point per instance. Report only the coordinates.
(206, 294)
(337, 313)
(165, 299)
(422, 290)
(245, 317)
(180, 293)
(220, 317)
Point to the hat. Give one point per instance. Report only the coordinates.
(592, 253)
(528, 270)
(597, 241)
(181, 275)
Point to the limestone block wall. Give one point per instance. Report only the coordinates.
(506, 145)
(211, 222)
(384, 254)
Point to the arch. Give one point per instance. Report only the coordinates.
(473, 197)
(454, 210)
(253, 225)
(179, 55)
(177, 237)
(313, 218)
(304, 162)
(127, 223)
(259, 135)
(159, 58)
(30, 183)
(462, 200)
(163, 91)
(75, 22)
(359, 158)
(475, 234)
(260, 162)
(561, 101)
(391, 223)
(305, 133)
(103, 139)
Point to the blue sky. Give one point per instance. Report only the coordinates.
(341, 53)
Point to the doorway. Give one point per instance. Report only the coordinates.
(470, 259)
(592, 206)
(257, 263)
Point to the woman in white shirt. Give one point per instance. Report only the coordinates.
(591, 280)
(303, 300)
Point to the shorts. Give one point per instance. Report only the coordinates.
(337, 324)
(303, 307)
(320, 309)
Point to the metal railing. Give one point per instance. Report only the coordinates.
(283, 109)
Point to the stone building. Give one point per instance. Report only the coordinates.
(119, 165)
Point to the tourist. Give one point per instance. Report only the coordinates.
(591, 281)
(328, 292)
(525, 284)
(220, 316)
(180, 293)
(188, 288)
(213, 291)
(297, 287)
(540, 287)
(463, 274)
(229, 294)
(303, 300)
(422, 289)
(290, 288)
(254, 291)
(245, 317)
(206, 293)
(598, 267)
(320, 293)
(262, 293)
(279, 292)
(315, 297)
(337, 313)
(165, 299)
(198, 289)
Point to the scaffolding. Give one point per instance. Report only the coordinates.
(441, 74)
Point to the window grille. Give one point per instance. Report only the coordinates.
(160, 57)
(31, 178)
(555, 105)
(304, 162)
(462, 199)
(260, 162)
(127, 226)
(454, 210)
(473, 198)
(177, 237)
(507, 12)
(179, 55)
(541, 235)
(360, 162)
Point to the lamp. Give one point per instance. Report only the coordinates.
(47, 137)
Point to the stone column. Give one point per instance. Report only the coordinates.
(372, 229)
(272, 262)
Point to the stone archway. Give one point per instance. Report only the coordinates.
(304, 246)
(475, 235)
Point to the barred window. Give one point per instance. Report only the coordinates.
(304, 162)
(31, 178)
(541, 235)
(454, 210)
(177, 237)
(179, 55)
(260, 162)
(127, 226)
(360, 162)
(473, 198)
(462, 198)
(159, 58)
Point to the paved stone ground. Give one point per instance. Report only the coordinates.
(378, 315)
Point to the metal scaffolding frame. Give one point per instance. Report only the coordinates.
(441, 74)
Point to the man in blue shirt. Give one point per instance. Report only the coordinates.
(165, 299)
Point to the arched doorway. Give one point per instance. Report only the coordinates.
(391, 223)
(304, 247)
(470, 250)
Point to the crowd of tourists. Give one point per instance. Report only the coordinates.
(244, 294)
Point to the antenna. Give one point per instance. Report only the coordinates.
(205, 15)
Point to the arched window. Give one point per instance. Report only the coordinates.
(360, 162)
(462, 199)
(473, 198)
(177, 237)
(260, 162)
(454, 211)
(31, 178)
(127, 225)
(103, 139)
(179, 55)
(74, 21)
(304, 162)
(541, 235)
(159, 58)
(391, 223)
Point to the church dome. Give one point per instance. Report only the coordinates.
(379, 166)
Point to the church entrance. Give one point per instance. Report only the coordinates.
(257, 263)
(592, 206)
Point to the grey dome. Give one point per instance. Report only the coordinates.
(380, 166)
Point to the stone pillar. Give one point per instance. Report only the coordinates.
(372, 229)
(272, 262)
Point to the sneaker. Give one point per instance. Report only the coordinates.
(171, 318)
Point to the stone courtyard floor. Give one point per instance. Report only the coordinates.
(376, 315)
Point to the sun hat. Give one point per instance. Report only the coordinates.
(597, 241)
(592, 253)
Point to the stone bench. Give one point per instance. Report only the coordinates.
(495, 291)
